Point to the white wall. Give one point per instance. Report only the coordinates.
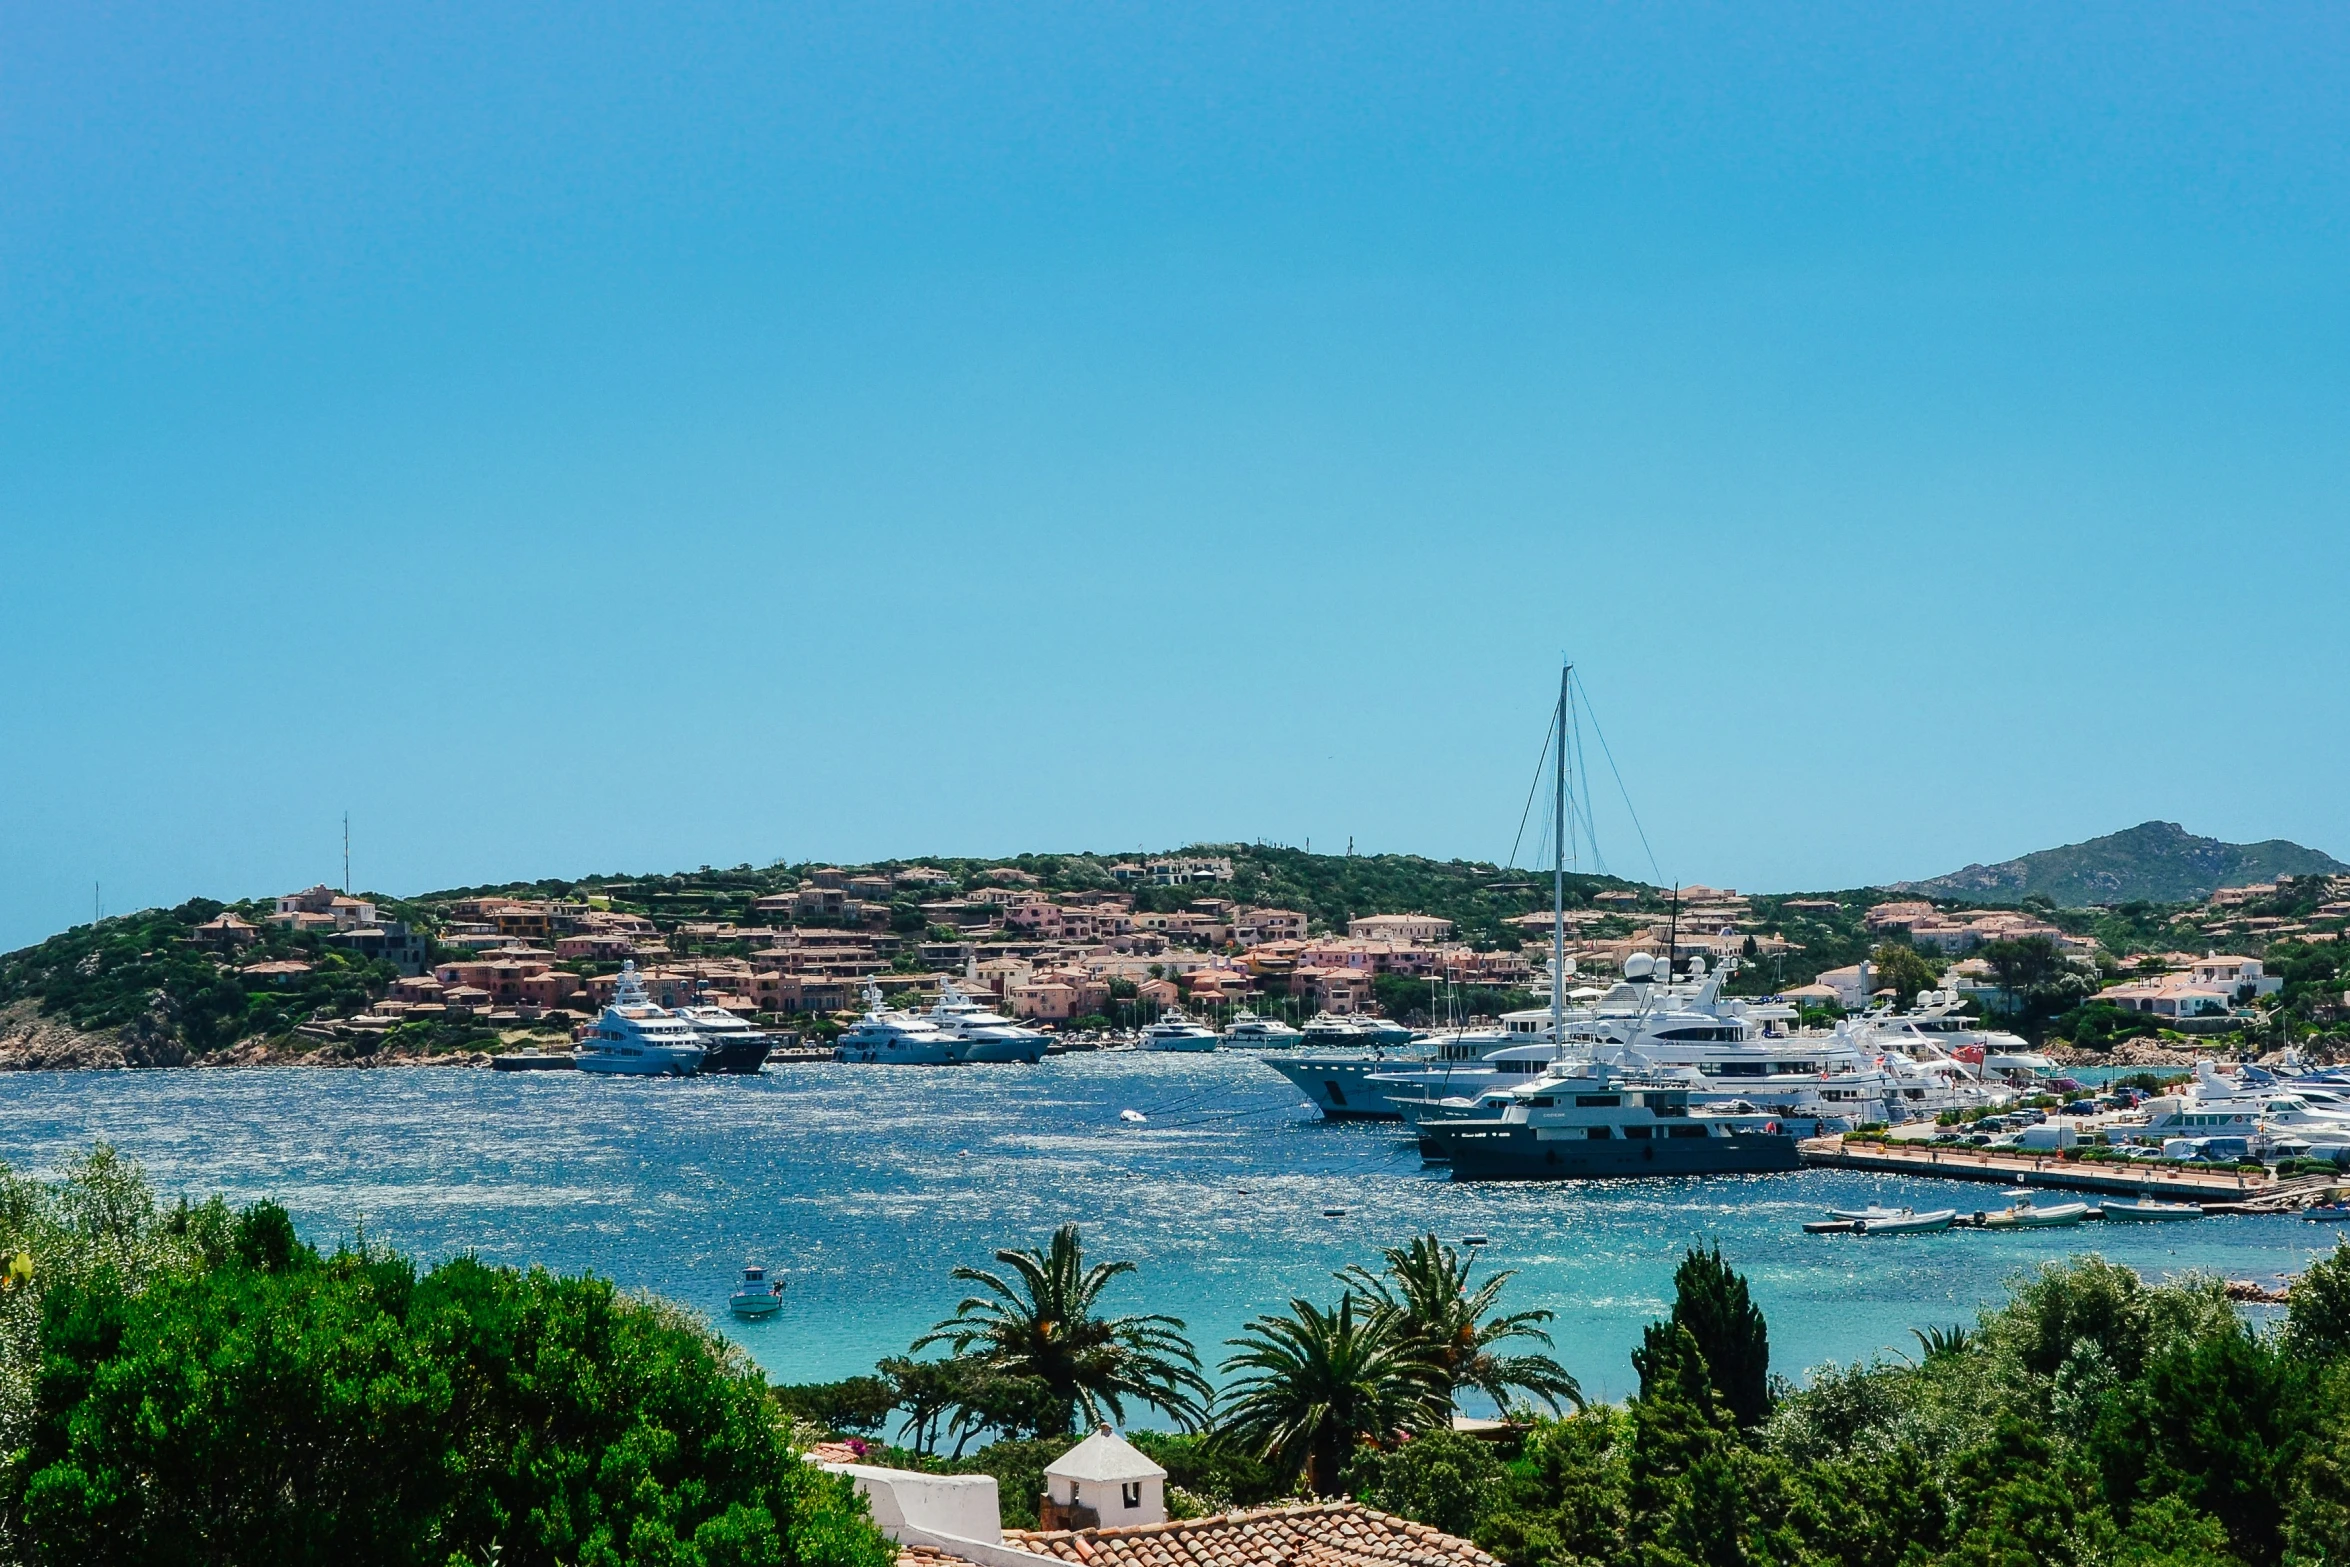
(963, 1506)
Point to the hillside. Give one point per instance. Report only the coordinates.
(2156, 862)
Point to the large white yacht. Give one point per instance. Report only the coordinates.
(980, 1035)
(1176, 1031)
(886, 1036)
(1268, 1033)
(635, 1038)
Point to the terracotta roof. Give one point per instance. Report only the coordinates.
(836, 1453)
(928, 1556)
(1318, 1534)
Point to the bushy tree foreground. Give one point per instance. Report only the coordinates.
(195, 1386)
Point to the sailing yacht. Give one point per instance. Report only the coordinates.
(1346, 1081)
(981, 1035)
(634, 1038)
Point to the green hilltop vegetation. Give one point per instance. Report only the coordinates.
(143, 981)
(2156, 862)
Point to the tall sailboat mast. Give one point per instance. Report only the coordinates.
(1558, 876)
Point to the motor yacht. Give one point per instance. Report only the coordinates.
(1329, 1030)
(1176, 1031)
(981, 1035)
(632, 1037)
(887, 1036)
(1601, 1123)
(730, 1044)
(1266, 1033)
(2217, 1107)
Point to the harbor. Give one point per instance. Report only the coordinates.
(852, 1181)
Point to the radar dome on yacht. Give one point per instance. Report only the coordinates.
(1697, 968)
(1639, 965)
(1927, 998)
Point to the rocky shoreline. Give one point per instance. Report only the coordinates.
(30, 1042)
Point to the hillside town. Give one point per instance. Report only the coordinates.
(1068, 958)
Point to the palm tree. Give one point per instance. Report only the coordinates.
(1321, 1383)
(1426, 1287)
(1041, 1324)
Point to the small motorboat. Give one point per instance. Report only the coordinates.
(1333, 1213)
(1865, 1215)
(2147, 1211)
(1831, 1226)
(2330, 1213)
(2023, 1216)
(1476, 1240)
(757, 1295)
(1907, 1223)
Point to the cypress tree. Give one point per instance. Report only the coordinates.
(1711, 1304)
(1684, 1501)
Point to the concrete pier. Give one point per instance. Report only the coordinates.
(2008, 1169)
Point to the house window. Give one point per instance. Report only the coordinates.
(1131, 1493)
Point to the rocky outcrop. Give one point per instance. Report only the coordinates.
(30, 1042)
(2130, 1052)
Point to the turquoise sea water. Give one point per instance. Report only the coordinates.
(864, 1185)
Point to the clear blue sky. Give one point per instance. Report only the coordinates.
(575, 439)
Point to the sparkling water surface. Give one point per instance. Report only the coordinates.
(863, 1186)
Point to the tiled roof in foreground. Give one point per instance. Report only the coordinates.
(1318, 1534)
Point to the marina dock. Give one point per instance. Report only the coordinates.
(1969, 1164)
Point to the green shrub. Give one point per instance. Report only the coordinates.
(1440, 1478)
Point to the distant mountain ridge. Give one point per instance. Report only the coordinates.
(2160, 862)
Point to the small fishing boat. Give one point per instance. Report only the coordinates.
(1864, 1215)
(2023, 1216)
(1907, 1223)
(2147, 1211)
(757, 1295)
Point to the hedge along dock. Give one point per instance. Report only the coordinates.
(1970, 1164)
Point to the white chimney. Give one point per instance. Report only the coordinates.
(1110, 1475)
